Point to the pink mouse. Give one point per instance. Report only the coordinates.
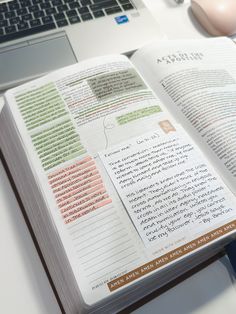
(218, 17)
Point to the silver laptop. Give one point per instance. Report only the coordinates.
(37, 36)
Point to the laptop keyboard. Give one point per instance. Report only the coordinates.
(20, 18)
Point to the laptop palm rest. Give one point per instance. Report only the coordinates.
(32, 58)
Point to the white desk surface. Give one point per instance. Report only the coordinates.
(24, 286)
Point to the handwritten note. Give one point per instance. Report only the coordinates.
(166, 185)
(116, 83)
(78, 189)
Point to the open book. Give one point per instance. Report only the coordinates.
(127, 168)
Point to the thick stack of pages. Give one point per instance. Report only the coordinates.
(120, 198)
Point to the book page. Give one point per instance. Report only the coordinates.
(64, 120)
(196, 79)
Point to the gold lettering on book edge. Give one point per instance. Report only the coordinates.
(171, 256)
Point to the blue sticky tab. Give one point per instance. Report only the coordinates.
(122, 19)
(231, 252)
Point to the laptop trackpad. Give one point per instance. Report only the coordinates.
(33, 58)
